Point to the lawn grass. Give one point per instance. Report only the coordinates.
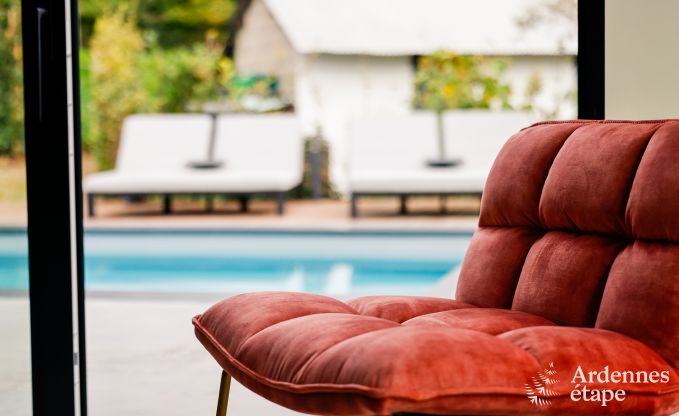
(12, 179)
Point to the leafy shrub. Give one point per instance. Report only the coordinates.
(117, 89)
(445, 80)
(128, 76)
(174, 22)
(85, 101)
(179, 79)
(11, 87)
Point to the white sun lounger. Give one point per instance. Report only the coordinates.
(388, 155)
(253, 154)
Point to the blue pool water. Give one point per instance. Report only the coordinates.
(332, 263)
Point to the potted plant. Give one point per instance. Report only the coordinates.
(445, 80)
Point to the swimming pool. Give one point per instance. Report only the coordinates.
(332, 263)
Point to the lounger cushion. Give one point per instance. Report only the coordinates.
(318, 355)
(189, 181)
(257, 154)
(388, 155)
(419, 181)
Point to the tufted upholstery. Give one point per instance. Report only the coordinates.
(575, 262)
(586, 215)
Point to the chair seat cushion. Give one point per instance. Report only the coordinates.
(384, 355)
(402, 308)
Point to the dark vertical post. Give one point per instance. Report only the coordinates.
(209, 202)
(90, 205)
(316, 167)
(167, 204)
(54, 195)
(591, 59)
(354, 205)
(280, 203)
(78, 199)
(243, 202)
(213, 137)
(403, 204)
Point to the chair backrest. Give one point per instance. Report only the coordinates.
(260, 143)
(476, 136)
(406, 142)
(580, 224)
(162, 142)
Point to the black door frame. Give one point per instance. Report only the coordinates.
(54, 196)
(591, 59)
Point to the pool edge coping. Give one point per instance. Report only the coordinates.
(395, 232)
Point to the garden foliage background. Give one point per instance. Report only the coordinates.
(172, 56)
(155, 55)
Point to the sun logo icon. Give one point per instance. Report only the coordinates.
(539, 388)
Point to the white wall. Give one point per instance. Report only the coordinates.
(330, 90)
(642, 59)
(558, 76)
(263, 48)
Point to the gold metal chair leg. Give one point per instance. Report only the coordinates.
(223, 399)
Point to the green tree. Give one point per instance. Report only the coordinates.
(117, 89)
(11, 87)
(126, 74)
(90, 10)
(180, 79)
(184, 22)
(445, 80)
(173, 22)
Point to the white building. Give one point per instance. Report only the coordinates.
(341, 59)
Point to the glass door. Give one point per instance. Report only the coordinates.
(184, 61)
(41, 318)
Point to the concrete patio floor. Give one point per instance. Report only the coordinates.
(375, 213)
(143, 359)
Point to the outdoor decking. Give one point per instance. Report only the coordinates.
(376, 213)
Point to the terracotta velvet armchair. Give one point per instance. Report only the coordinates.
(568, 295)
